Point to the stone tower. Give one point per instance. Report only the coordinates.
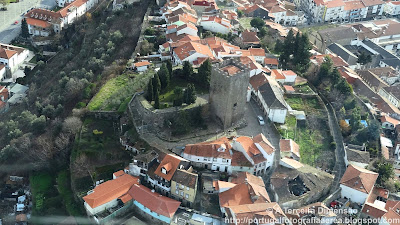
(228, 88)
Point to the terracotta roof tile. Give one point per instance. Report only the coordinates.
(210, 149)
(170, 163)
(143, 63)
(231, 69)
(288, 145)
(359, 179)
(258, 80)
(257, 51)
(190, 48)
(250, 37)
(154, 201)
(264, 143)
(271, 61)
(291, 162)
(110, 190)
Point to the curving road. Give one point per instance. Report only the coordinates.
(15, 11)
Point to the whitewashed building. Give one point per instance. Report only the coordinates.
(357, 183)
(216, 24)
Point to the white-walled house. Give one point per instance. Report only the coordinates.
(105, 195)
(190, 52)
(214, 155)
(257, 150)
(270, 97)
(141, 66)
(2, 72)
(216, 24)
(12, 56)
(357, 183)
(188, 28)
(242, 154)
(392, 8)
(42, 22)
(258, 54)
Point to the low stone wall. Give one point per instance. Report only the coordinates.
(153, 120)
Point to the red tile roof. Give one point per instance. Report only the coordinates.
(231, 69)
(143, 63)
(258, 80)
(170, 163)
(359, 178)
(110, 190)
(264, 143)
(119, 173)
(288, 88)
(271, 61)
(6, 53)
(277, 74)
(210, 149)
(247, 191)
(190, 48)
(257, 51)
(288, 73)
(154, 201)
(288, 145)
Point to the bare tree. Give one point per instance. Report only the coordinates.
(82, 166)
(72, 125)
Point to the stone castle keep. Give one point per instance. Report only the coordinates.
(229, 83)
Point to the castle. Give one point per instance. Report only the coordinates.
(228, 88)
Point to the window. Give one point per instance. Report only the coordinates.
(205, 159)
(214, 159)
(182, 186)
(181, 193)
(186, 196)
(234, 105)
(177, 192)
(187, 188)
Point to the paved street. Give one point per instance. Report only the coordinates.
(15, 11)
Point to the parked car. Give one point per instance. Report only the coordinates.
(3, 9)
(16, 22)
(261, 120)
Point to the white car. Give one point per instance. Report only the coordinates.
(261, 120)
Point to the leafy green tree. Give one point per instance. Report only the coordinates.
(187, 70)
(257, 23)
(156, 85)
(48, 111)
(24, 29)
(240, 13)
(335, 75)
(355, 119)
(178, 96)
(364, 58)
(149, 91)
(262, 32)
(325, 68)
(169, 67)
(287, 50)
(204, 74)
(385, 171)
(301, 53)
(374, 130)
(157, 99)
(190, 94)
(278, 46)
(39, 124)
(344, 86)
(163, 74)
